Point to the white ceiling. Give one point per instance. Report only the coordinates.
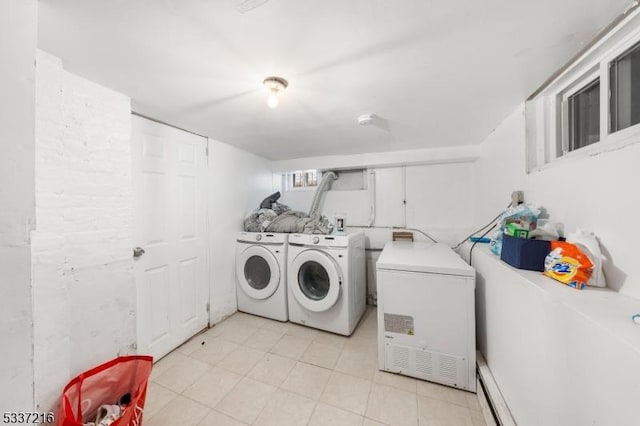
(436, 72)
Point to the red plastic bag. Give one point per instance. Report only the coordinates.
(107, 384)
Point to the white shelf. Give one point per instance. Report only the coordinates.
(604, 307)
(559, 355)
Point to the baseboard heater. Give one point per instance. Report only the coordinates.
(494, 408)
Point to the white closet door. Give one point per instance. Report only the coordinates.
(170, 226)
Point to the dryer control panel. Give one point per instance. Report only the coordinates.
(262, 237)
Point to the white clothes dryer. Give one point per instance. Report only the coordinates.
(261, 262)
(327, 281)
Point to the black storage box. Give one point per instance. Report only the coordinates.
(522, 253)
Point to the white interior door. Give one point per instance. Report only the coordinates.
(170, 226)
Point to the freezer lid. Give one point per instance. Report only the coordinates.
(435, 258)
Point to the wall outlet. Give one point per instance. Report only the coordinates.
(517, 197)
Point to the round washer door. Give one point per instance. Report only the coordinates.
(258, 272)
(315, 280)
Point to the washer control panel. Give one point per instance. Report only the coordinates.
(319, 240)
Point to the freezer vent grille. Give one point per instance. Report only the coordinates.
(401, 357)
(448, 367)
(424, 362)
(436, 367)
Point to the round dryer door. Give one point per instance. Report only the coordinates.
(315, 280)
(258, 272)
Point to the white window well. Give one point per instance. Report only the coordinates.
(593, 104)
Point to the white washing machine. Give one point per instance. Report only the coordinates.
(327, 281)
(261, 263)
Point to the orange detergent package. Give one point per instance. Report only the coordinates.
(568, 264)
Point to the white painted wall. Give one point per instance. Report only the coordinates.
(440, 200)
(382, 159)
(597, 193)
(559, 356)
(239, 181)
(83, 281)
(18, 27)
(557, 352)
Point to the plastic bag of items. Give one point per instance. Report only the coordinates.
(520, 220)
(588, 243)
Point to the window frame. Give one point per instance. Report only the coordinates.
(546, 120)
(287, 179)
(615, 55)
(564, 127)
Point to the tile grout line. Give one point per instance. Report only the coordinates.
(209, 409)
(311, 340)
(366, 405)
(175, 395)
(321, 392)
(227, 393)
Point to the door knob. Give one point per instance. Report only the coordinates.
(138, 251)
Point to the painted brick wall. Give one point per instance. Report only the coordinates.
(83, 280)
(18, 26)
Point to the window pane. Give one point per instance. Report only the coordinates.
(297, 180)
(584, 116)
(311, 178)
(625, 90)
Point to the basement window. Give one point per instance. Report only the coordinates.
(593, 105)
(624, 77)
(302, 179)
(582, 126)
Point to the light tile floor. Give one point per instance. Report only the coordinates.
(249, 370)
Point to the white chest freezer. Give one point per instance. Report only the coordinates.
(426, 314)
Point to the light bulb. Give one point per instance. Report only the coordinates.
(272, 100)
(275, 86)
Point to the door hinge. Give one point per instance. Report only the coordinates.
(208, 307)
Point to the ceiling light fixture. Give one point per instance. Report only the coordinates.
(275, 86)
(366, 119)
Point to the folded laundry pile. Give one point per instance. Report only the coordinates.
(275, 217)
